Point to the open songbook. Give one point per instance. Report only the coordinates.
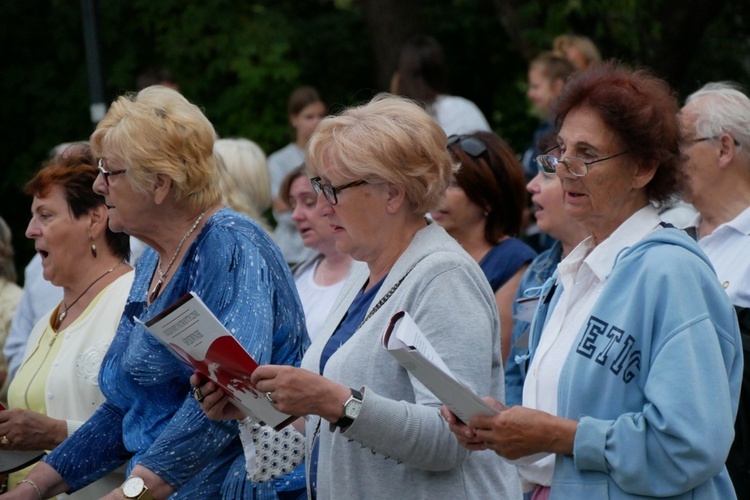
(190, 330)
(405, 341)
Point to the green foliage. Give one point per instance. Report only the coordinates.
(240, 60)
(722, 54)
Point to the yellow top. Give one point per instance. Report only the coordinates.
(28, 387)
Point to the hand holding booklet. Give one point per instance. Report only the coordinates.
(405, 341)
(195, 335)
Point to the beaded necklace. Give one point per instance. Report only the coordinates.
(162, 274)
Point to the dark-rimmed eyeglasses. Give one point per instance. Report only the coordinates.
(576, 166)
(106, 173)
(471, 145)
(331, 192)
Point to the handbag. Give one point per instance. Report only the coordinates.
(270, 453)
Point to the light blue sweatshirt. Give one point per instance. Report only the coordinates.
(653, 378)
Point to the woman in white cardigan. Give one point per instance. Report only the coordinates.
(56, 388)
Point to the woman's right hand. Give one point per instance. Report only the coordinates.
(29, 430)
(215, 403)
(42, 482)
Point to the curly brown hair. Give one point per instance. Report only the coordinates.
(642, 110)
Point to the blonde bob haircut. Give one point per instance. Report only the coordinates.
(390, 140)
(157, 131)
(244, 179)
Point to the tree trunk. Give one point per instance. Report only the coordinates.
(506, 13)
(389, 24)
(683, 24)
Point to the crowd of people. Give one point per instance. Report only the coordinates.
(607, 342)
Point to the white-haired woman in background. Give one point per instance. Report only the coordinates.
(244, 181)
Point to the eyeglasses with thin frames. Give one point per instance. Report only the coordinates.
(576, 166)
(106, 173)
(331, 192)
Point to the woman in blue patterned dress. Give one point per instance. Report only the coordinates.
(159, 179)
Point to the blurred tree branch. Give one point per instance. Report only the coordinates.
(389, 24)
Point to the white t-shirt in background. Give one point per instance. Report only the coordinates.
(317, 300)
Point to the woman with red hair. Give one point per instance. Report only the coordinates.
(634, 351)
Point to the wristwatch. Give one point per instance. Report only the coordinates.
(134, 488)
(352, 406)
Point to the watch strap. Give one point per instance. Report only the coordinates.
(145, 493)
(346, 421)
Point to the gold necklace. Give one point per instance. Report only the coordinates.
(157, 287)
(64, 313)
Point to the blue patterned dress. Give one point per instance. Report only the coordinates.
(149, 417)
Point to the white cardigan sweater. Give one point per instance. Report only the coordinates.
(72, 389)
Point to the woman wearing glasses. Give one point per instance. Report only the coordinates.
(372, 430)
(159, 179)
(320, 279)
(547, 201)
(635, 354)
(483, 211)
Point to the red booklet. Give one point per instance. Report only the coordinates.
(190, 330)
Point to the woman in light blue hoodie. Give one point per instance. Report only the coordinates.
(634, 353)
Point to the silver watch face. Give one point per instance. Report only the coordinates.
(133, 486)
(352, 407)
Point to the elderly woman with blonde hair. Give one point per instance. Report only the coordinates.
(243, 178)
(372, 429)
(158, 176)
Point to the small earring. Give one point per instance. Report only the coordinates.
(93, 250)
(486, 214)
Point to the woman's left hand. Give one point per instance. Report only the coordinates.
(28, 430)
(464, 434)
(213, 400)
(300, 392)
(157, 487)
(519, 432)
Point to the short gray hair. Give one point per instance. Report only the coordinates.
(244, 180)
(390, 140)
(724, 108)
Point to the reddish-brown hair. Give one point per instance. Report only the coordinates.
(642, 110)
(74, 170)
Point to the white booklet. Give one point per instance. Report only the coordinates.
(405, 341)
(190, 330)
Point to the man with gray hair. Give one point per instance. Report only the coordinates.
(716, 120)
